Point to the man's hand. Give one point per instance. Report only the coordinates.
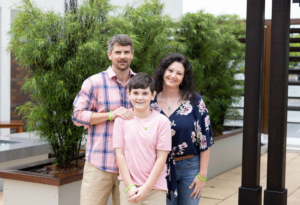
(123, 113)
(140, 195)
(198, 187)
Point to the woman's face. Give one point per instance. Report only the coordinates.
(174, 75)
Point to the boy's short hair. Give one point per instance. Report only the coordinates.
(142, 81)
(120, 39)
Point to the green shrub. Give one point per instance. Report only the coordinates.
(60, 51)
(152, 31)
(216, 55)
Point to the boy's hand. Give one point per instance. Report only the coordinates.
(140, 195)
(132, 191)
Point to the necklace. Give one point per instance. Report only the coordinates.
(169, 107)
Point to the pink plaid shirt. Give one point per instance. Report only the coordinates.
(102, 92)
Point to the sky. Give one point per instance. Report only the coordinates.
(232, 7)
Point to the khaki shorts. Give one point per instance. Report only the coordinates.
(154, 197)
(97, 186)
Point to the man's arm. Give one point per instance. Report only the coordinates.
(153, 177)
(83, 105)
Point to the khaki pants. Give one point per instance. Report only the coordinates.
(97, 186)
(154, 197)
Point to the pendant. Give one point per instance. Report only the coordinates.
(169, 108)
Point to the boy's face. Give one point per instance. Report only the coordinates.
(140, 98)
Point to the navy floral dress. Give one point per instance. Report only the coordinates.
(191, 134)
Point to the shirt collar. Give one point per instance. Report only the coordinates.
(112, 74)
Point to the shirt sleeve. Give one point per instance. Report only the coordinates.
(118, 133)
(204, 130)
(84, 105)
(164, 140)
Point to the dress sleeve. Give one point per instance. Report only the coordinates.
(203, 129)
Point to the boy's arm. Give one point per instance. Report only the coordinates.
(124, 171)
(153, 177)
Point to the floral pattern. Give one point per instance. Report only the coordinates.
(189, 117)
(185, 108)
(207, 122)
(202, 107)
(155, 106)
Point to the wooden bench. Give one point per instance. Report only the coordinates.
(16, 124)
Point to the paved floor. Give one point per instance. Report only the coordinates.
(223, 189)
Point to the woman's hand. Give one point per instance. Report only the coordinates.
(141, 192)
(198, 187)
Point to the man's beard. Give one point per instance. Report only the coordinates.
(123, 69)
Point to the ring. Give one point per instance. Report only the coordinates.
(201, 189)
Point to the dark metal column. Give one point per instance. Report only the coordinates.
(276, 194)
(250, 192)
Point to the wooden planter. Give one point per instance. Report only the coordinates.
(28, 188)
(226, 153)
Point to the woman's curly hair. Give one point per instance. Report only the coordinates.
(187, 86)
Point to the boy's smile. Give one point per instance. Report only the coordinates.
(140, 99)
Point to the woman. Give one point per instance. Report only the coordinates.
(191, 130)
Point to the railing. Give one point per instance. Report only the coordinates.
(266, 78)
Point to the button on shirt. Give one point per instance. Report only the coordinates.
(100, 93)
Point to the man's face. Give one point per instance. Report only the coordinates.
(121, 57)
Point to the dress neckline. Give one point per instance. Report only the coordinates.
(162, 109)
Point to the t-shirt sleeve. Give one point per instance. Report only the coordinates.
(203, 124)
(118, 133)
(164, 140)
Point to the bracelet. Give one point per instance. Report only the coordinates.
(109, 116)
(129, 187)
(201, 178)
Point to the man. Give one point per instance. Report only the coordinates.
(101, 99)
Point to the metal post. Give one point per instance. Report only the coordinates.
(276, 194)
(250, 192)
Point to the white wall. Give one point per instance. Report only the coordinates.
(5, 20)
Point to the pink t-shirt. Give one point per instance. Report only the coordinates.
(140, 139)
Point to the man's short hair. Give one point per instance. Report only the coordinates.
(142, 81)
(120, 39)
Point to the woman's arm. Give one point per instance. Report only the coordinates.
(153, 177)
(199, 185)
(204, 159)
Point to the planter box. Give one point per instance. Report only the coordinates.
(15, 151)
(226, 153)
(30, 188)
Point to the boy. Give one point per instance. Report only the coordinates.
(142, 145)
